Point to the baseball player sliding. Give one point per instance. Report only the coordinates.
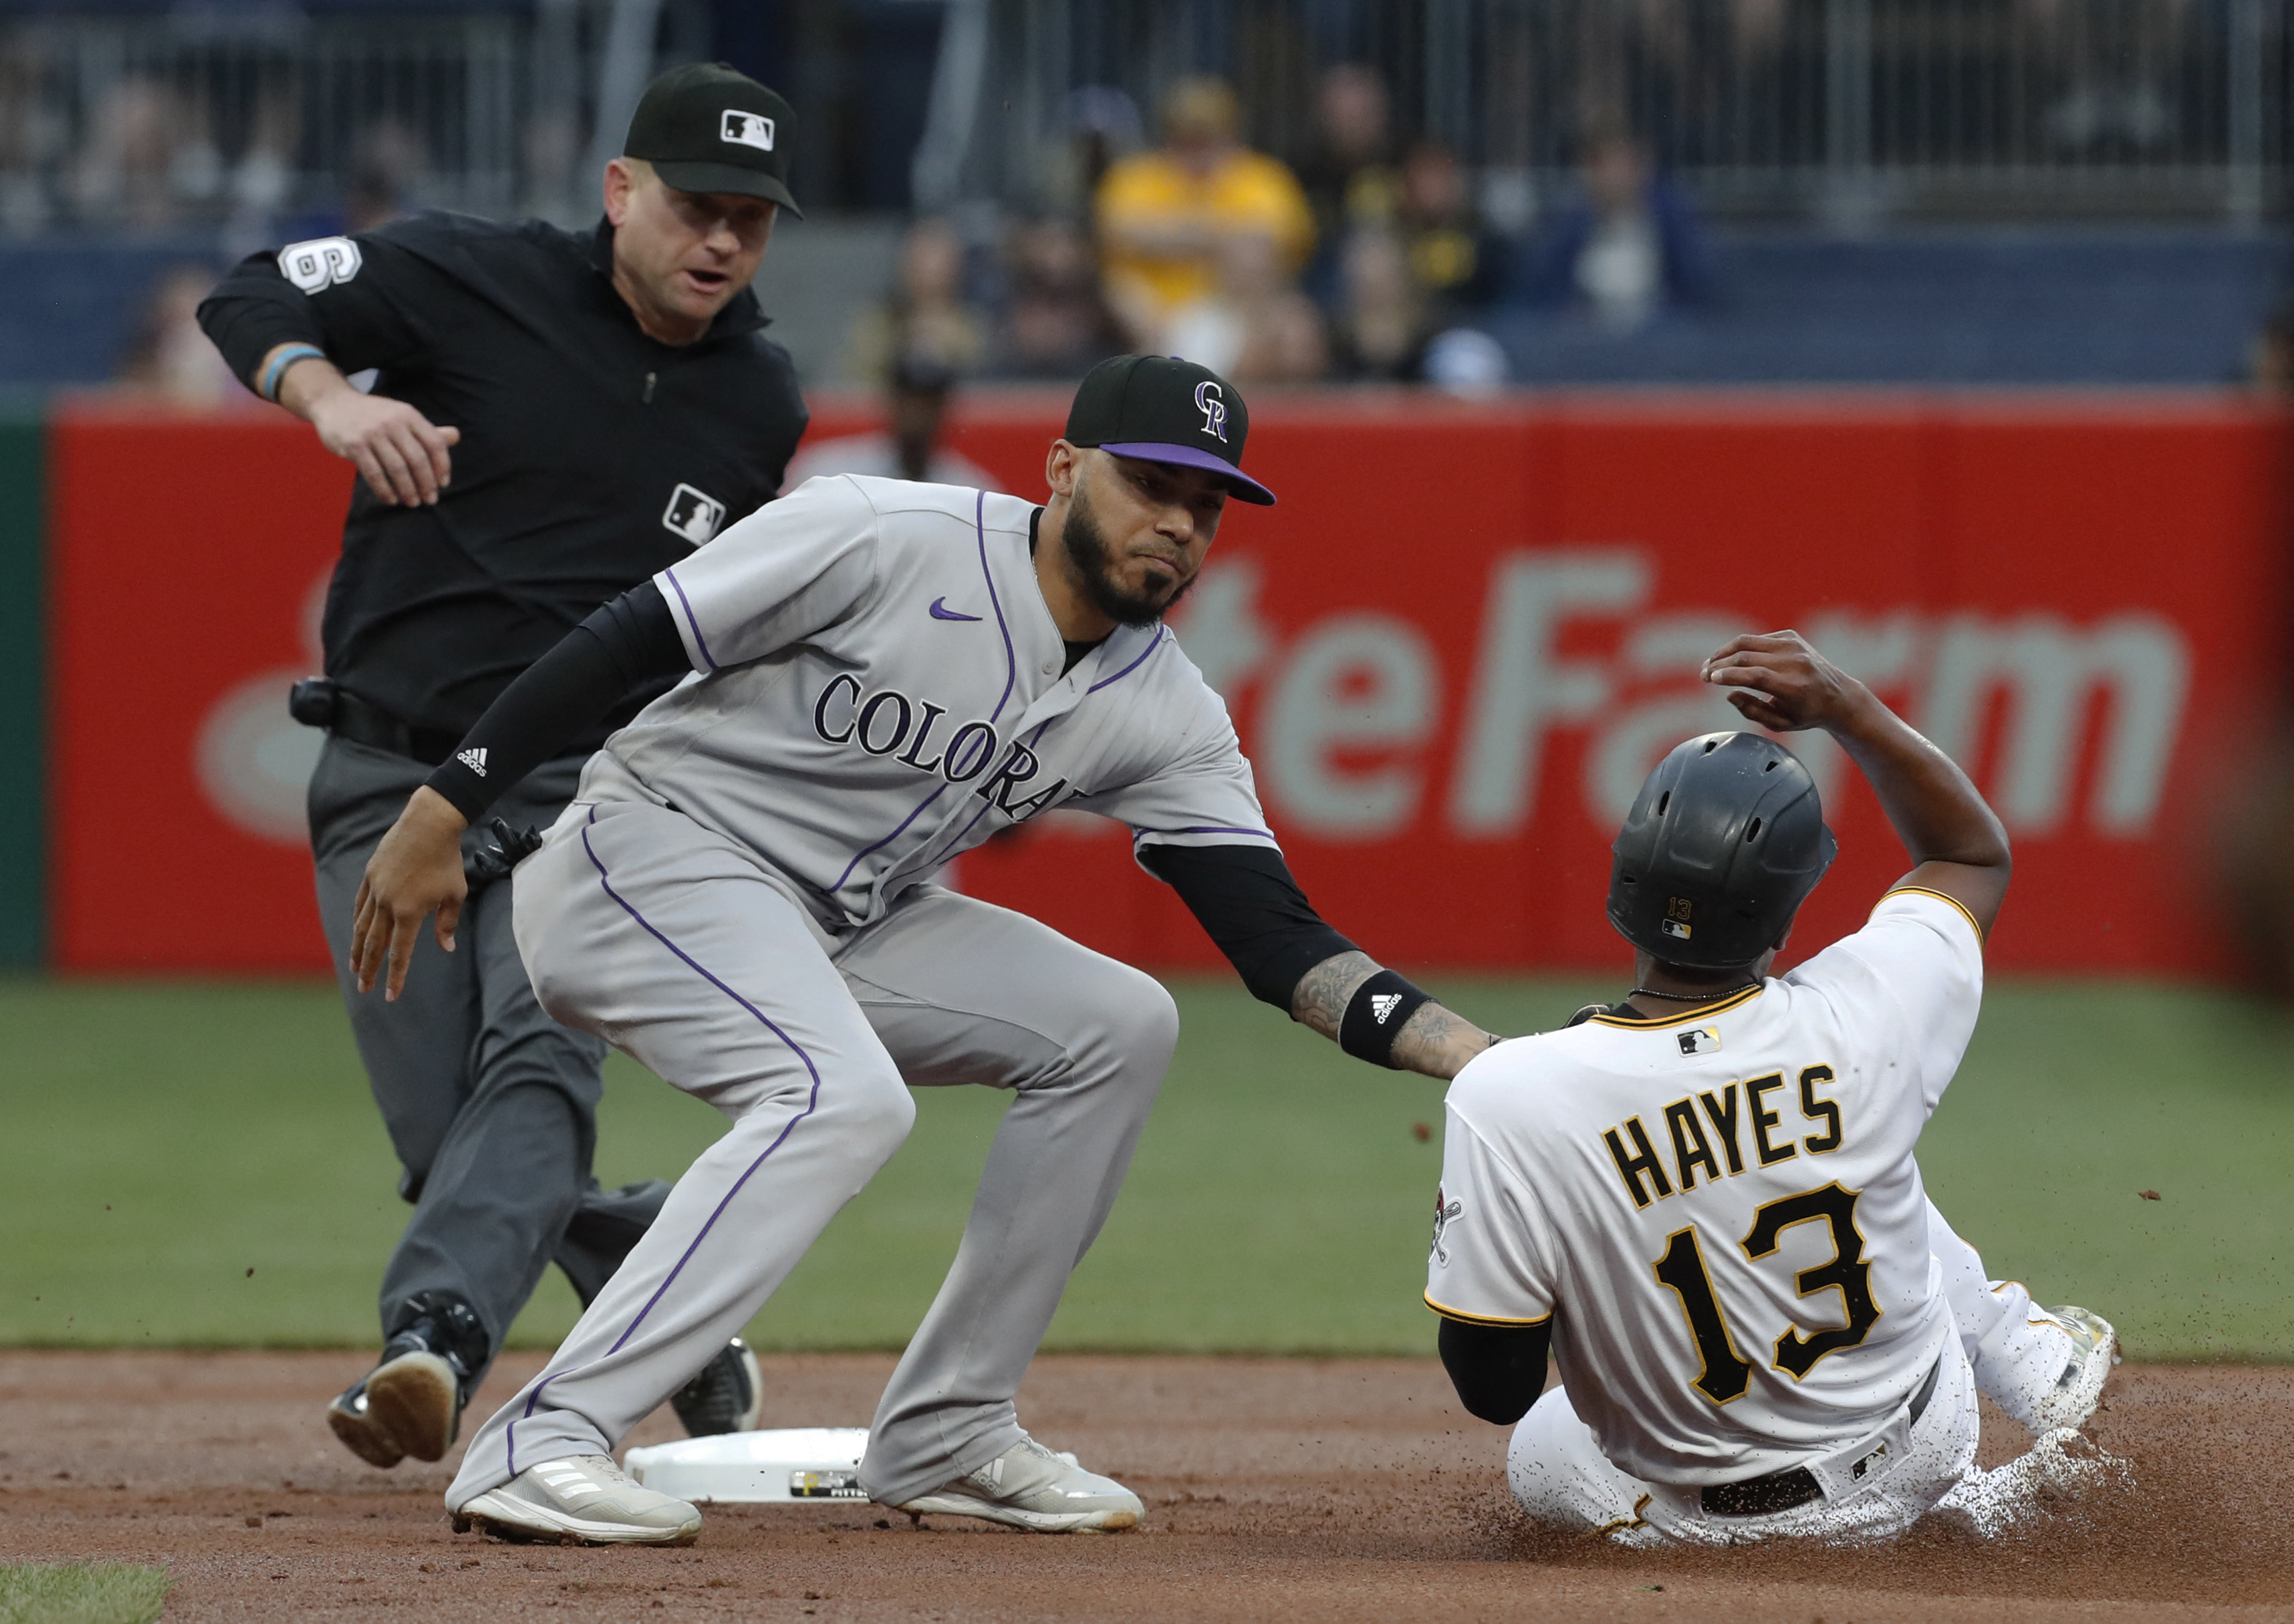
(1704, 1198)
(880, 675)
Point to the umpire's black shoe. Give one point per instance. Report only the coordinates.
(412, 1403)
(728, 1396)
(354, 1423)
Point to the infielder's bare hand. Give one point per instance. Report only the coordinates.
(403, 455)
(417, 871)
(1782, 684)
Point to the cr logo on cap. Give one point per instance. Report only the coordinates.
(746, 129)
(1209, 400)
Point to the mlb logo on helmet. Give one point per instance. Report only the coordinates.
(1677, 912)
(746, 129)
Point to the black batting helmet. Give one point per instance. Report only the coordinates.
(1724, 842)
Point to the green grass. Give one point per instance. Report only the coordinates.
(81, 1593)
(163, 1140)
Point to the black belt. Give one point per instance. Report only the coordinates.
(1763, 1496)
(347, 716)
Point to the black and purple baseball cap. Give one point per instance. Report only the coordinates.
(1162, 409)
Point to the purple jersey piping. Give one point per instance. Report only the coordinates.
(1133, 666)
(1010, 658)
(699, 641)
(887, 841)
(811, 1103)
(1011, 681)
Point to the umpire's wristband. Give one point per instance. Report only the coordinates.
(267, 386)
(1378, 1010)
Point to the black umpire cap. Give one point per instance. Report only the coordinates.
(1162, 409)
(708, 127)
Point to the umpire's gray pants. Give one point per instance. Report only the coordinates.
(688, 952)
(491, 1106)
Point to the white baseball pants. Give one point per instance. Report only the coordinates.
(1558, 1472)
(686, 951)
(2006, 1349)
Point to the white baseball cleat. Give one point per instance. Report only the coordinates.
(578, 1499)
(2094, 1350)
(1028, 1486)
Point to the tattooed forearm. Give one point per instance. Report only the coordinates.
(1438, 1043)
(1320, 999)
(1433, 1041)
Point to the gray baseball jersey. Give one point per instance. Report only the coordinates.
(733, 900)
(886, 692)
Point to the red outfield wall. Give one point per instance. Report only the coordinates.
(1452, 651)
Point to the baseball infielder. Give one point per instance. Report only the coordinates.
(880, 675)
(1704, 1197)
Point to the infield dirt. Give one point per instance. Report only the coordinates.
(1276, 1488)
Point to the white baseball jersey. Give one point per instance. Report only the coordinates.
(1721, 1212)
(880, 687)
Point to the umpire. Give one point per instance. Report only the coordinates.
(556, 418)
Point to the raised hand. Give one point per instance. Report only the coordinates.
(1778, 681)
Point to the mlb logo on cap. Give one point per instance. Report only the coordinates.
(706, 127)
(746, 129)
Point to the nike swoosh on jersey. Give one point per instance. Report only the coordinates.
(941, 612)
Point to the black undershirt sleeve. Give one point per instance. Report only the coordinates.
(1497, 1369)
(1250, 906)
(631, 640)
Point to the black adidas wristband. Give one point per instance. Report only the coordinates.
(1380, 1009)
(465, 788)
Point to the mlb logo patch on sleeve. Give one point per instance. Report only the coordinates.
(1700, 1040)
(693, 514)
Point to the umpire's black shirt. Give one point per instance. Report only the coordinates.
(592, 456)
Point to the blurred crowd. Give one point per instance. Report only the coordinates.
(1370, 260)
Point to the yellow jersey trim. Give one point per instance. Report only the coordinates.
(1637, 1520)
(1653, 1023)
(1922, 890)
(1463, 1318)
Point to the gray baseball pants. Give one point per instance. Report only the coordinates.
(688, 952)
(490, 1105)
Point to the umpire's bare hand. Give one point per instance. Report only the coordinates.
(404, 456)
(416, 872)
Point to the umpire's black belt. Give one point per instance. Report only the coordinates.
(1763, 1496)
(347, 716)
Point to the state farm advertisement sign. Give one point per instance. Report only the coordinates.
(1452, 651)
(1462, 638)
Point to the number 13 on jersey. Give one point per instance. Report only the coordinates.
(1727, 1373)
